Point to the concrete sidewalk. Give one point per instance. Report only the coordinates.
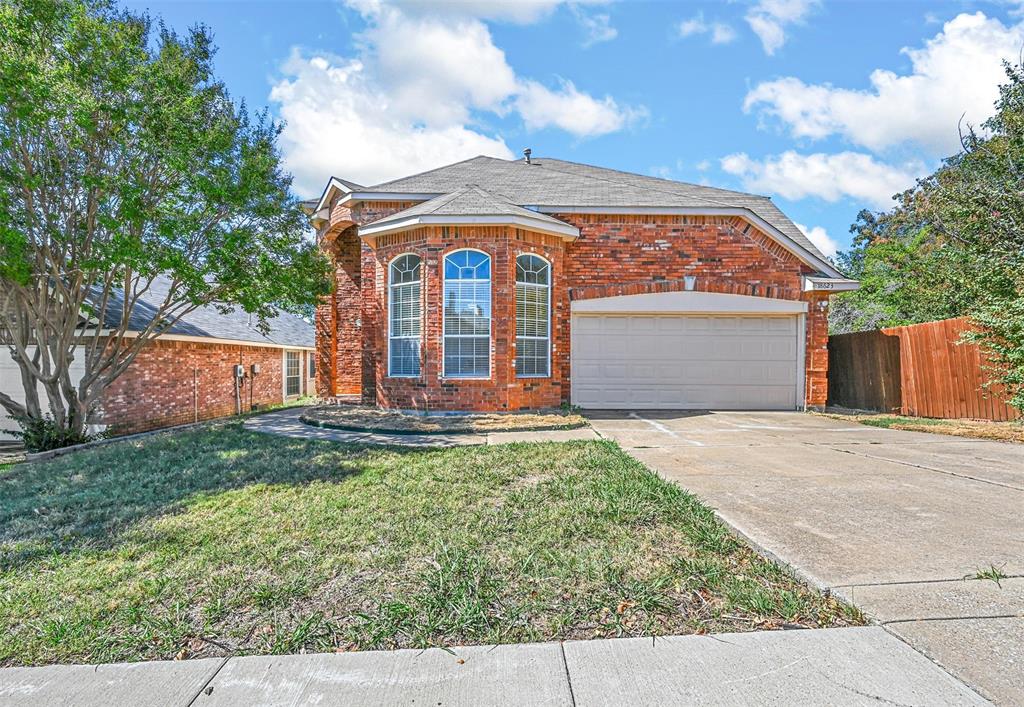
(849, 666)
(287, 423)
(899, 523)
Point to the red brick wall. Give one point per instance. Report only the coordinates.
(615, 254)
(633, 254)
(503, 390)
(169, 380)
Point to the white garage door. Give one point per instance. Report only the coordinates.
(10, 383)
(692, 361)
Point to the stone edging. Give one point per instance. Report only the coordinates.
(312, 422)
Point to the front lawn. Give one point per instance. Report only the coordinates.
(978, 429)
(208, 541)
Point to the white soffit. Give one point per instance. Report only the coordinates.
(829, 284)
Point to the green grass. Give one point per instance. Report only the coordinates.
(216, 540)
(992, 573)
(888, 421)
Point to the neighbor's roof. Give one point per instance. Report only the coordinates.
(207, 321)
(471, 201)
(548, 182)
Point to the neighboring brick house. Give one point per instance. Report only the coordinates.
(492, 284)
(188, 373)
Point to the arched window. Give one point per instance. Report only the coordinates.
(467, 314)
(405, 316)
(533, 317)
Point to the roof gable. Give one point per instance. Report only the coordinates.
(467, 204)
(552, 186)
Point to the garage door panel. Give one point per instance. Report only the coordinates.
(685, 362)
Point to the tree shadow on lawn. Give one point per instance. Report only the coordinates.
(85, 499)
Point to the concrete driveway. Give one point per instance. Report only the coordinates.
(892, 521)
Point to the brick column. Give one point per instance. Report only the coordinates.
(347, 304)
(817, 349)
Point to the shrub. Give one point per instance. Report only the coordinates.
(44, 434)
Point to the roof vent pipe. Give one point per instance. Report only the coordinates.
(526, 154)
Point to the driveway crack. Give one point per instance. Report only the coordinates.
(568, 677)
(926, 468)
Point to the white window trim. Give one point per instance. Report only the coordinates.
(284, 374)
(535, 338)
(490, 317)
(391, 286)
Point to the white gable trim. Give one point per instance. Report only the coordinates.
(334, 185)
(405, 224)
(356, 196)
(792, 246)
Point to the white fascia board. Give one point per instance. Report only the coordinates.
(828, 284)
(405, 224)
(792, 246)
(689, 302)
(212, 340)
(357, 196)
(333, 185)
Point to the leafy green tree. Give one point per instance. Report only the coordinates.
(123, 158)
(954, 245)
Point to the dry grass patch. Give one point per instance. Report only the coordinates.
(378, 420)
(203, 542)
(1012, 431)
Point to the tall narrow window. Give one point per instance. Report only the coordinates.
(292, 374)
(467, 314)
(405, 318)
(533, 317)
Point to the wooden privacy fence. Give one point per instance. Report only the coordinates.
(917, 370)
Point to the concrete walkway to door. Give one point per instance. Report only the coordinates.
(892, 521)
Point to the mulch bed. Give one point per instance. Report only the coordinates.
(369, 419)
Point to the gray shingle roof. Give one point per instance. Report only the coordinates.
(551, 182)
(285, 329)
(468, 200)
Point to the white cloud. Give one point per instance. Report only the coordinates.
(438, 87)
(955, 73)
(515, 11)
(571, 110)
(721, 33)
(692, 26)
(338, 123)
(597, 26)
(769, 19)
(826, 176)
(412, 97)
(821, 240)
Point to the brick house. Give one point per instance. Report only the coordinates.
(493, 284)
(188, 373)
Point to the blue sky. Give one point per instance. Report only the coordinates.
(829, 107)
